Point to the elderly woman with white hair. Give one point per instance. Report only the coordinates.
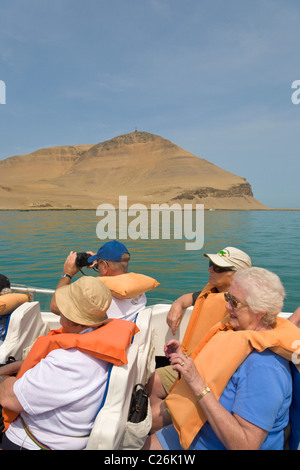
(235, 391)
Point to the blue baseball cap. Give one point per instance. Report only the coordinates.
(110, 251)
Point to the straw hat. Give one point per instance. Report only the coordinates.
(85, 301)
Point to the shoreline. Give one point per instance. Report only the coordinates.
(45, 209)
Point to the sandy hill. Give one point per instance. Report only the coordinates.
(144, 167)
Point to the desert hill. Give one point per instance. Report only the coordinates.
(144, 167)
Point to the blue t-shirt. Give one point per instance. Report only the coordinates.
(259, 391)
(294, 440)
(3, 326)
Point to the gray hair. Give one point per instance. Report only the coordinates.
(5, 290)
(119, 266)
(264, 292)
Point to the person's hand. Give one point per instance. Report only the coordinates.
(177, 309)
(295, 317)
(174, 316)
(70, 266)
(94, 263)
(11, 368)
(172, 347)
(183, 364)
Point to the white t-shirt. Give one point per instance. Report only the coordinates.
(126, 308)
(61, 396)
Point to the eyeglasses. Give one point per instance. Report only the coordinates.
(96, 266)
(233, 301)
(219, 269)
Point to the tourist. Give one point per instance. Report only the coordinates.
(111, 259)
(209, 309)
(53, 401)
(253, 409)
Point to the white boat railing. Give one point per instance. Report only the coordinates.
(32, 289)
(163, 306)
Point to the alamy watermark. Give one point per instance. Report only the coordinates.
(296, 95)
(296, 354)
(139, 222)
(2, 92)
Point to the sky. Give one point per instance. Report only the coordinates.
(215, 77)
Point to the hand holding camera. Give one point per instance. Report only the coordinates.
(76, 261)
(82, 260)
(70, 266)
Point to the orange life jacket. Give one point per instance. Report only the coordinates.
(208, 310)
(216, 359)
(109, 342)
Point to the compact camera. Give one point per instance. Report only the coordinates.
(82, 260)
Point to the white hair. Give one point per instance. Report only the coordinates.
(264, 292)
(5, 290)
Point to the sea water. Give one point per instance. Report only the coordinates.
(35, 244)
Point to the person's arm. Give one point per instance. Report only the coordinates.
(295, 317)
(233, 431)
(10, 369)
(8, 398)
(71, 269)
(175, 314)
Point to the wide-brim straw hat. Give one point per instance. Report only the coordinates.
(85, 301)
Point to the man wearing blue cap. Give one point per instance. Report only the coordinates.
(111, 259)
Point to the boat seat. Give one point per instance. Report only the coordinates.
(109, 427)
(162, 332)
(24, 325)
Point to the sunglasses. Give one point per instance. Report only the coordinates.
(233, 301)
(219, 269)
(96, 266)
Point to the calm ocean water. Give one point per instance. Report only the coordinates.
(34, 245)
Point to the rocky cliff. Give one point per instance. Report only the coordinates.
(144, 167)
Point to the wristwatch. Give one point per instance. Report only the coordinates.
(203, 393)
(66, 275)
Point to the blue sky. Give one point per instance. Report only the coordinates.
(212, 76)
